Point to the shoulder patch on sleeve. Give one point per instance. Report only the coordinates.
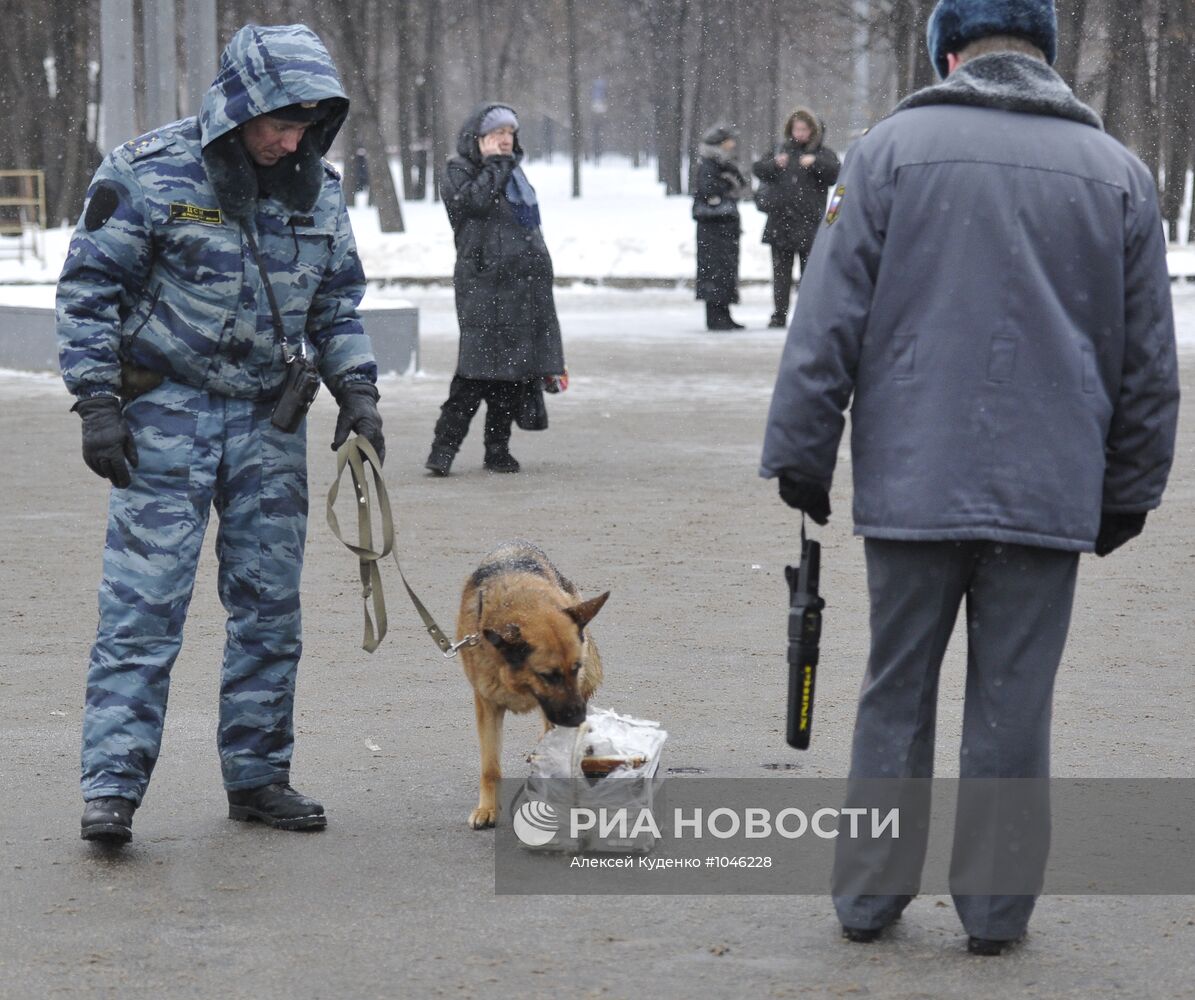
(104, 201)
(835, 204)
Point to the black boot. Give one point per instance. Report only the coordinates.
(714, 318)
(277, 805)
(717, 317)
(440, 460)
(499, 419)
(499, 459)
(778, 321)
(108, 819)
(452, 426)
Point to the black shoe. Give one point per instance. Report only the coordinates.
(778, 321)
(988, 947)
(108, 819)
(861, 935)
(439, 461)
(277, 805)
(500, 460)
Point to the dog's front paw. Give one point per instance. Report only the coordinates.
(483, 817)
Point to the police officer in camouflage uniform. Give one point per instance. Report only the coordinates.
(210, 254)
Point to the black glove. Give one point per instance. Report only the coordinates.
(805, 496)
(107, 440)
(359, 412)
(1116, 529)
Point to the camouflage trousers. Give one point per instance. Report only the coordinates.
(198, 451)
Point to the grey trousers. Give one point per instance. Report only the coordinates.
(1018, 607)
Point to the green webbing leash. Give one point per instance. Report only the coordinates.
(356, 453)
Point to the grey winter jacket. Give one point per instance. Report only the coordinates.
(990, 287)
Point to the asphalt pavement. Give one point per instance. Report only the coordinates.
(645, 484)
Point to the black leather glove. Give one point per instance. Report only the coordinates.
(359, 412)
(1116, 529)
(107, 440)
(805, 496)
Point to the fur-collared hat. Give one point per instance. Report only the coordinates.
(956, 23)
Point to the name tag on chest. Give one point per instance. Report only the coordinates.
(181, 212)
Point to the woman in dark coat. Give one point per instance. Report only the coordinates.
(793, 193)
(510, 337)
(719, 186)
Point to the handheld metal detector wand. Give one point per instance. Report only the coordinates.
(804, 631)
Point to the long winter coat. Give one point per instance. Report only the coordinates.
(799, 192)
(159, 271)
(719, 183)
(503, 276)
(991, 287)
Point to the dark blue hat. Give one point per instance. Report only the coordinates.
(956, 23)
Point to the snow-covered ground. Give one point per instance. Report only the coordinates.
(623, 227)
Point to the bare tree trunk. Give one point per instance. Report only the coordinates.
(44, 90)
(511, 45)
(1177, 97)
(435, 105)
(1130, 112)
(349, 27)
(773, 112)
(697, 112)
(483, 23)
(913, 67)
(404, 88)
(666, 24)
(1071, 14)
(576, 138)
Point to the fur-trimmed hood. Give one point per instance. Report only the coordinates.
(815, 123)
(1008, 81)
(265, 69)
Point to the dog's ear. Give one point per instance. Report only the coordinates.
(510, 634)
(509, 643)
(584, 612)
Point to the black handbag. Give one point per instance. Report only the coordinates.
(767, 196)
(531, 413)
(719, 211)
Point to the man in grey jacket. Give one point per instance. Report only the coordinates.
(990, 288)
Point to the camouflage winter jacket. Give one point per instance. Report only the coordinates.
(160, 272)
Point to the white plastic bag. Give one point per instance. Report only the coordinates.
(608, 763)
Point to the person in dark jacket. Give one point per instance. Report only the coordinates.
(794, 183)
(510, 337)
(719, 186)
(990, 285)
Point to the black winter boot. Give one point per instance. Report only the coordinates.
(451, 428)
(440, 460)
(108, 819)
(277, 805)
(778, 321)
(499, 459)
(717, 317)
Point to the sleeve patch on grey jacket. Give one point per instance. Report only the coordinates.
(835, 204)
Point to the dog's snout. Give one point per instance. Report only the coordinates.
(571, 715)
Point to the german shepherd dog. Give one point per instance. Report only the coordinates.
(533, 650)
